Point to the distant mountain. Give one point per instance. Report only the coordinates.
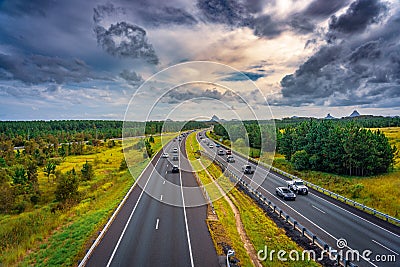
(215, 118)
(354, 114)
(329, 117)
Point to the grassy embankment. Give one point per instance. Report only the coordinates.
(381, 192)
(260, 229)
(42, 238)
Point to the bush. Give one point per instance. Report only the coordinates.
(67, 187)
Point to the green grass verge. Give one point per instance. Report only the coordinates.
(41, 238)
(260, 229)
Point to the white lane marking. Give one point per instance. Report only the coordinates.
(111, 220)
(330, 203)
(356, 215)
(184, 214)
(376, 242)
(166, 172)
(130, 216)
(304, 217)
(161, 197)
(163, 182)
(158, 220)
(167, 165)
(318, 209)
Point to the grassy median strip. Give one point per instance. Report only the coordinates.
(44, 238)
(260, 229)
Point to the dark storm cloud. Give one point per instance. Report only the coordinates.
(36, 69)
(301, 24)
(126, 40)
(229, 12)
(361, 71)
(357, 18)
(323, 9)
(266, 26)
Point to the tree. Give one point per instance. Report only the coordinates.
(87, 171)
(123, 165)
(67, 187)
(301, 160)
(50, 169)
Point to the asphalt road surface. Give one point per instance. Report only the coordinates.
(148, 232)
(324, 216)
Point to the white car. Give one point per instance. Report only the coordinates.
(298, 187)
(175, 150)
(165, 155)
(211, 146)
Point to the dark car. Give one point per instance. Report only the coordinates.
(285, 193)
(247, 169)
(217, 145)
(175, 168)
(230, 159)
(175, 158)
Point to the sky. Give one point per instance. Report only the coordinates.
(178, 59)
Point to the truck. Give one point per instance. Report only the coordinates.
(298, 186)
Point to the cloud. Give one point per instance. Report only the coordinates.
(126, 40)
(323, 9)
(357, 18)
(131, 77)
(35, 69)
(229, 12)
(244, 76)
(364, 71)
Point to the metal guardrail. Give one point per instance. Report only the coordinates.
(375, 212)
(282, 215)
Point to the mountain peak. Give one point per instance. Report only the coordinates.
(214, 118)
(354, 114)
(329, 117)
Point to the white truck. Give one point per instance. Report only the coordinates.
(298, 187)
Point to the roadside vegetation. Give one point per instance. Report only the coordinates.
(76, 194)
(380, 191)
(259, 228)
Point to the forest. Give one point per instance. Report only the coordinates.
(29, 146)
(342, 146)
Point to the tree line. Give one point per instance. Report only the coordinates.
(340, 146)
(344, 149)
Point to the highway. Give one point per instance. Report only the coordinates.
(155, 226)
(323, 216)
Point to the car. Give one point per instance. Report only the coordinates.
(211, 146)
(175, 157)
(247, 169)
(230, 159)
(175, 150)
(165, 155)
(217, 145)
(201, 137)
(229, 152)
(298, 186)
(285, 193)
(221, 152)
(175, 168)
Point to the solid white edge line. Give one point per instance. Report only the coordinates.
(112, 218)
(376, 242)
(158, 220)
(280, 178)
(184, 214)
(303, 216)
(130, 216)
(161, 197)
